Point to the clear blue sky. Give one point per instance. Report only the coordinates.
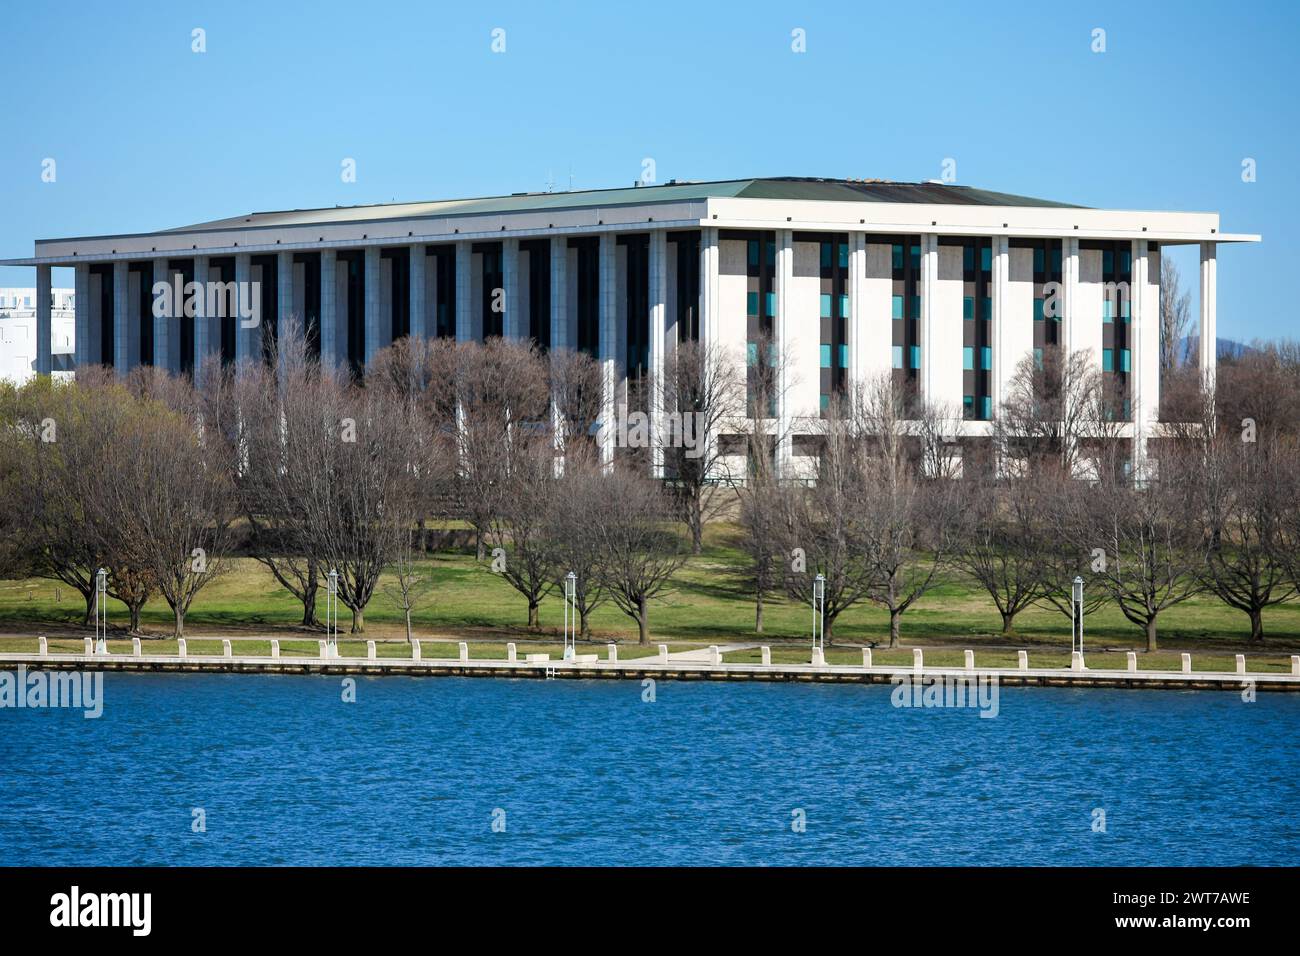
(147, 134)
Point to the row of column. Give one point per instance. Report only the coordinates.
(125, 348)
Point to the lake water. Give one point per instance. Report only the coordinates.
(587, 772)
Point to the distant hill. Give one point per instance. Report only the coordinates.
(1224, 348)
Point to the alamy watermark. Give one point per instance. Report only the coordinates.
(947, 690)
(212, 299)
(82, 690)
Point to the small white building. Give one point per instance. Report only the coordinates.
(18, 333)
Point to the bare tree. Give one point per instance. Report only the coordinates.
(703, 396)
(412, 583)
(639, 553)
(572, 532)
(999, 538)
(1175, 318)
(517, 528)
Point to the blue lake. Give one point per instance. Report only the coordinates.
(586, 772)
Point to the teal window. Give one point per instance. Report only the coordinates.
(771, 304)
(968, 308)
(968, 403)
(752, 356)
(968, 258)
(898, 307)
(1038, 310)
(1124, 309)
(898, 256)
(898, 356)
(1124, 360)
(1038, 260)
(771, 253)
(968, 359)
(826, 305)
(1107, 310)
(916, 356)
(986, 258)
(1125, 261)
(986, 308)
(1056, 260)
(752, 249)
(916, 306)
(826, 401)
(986, 358)
(986, 408)
(826, 356)
(844, 255)
(916, 257)
(844, 356)
(1038, 358)
(751, 303)
(1107, 261)
(827, 255)
(844, 307)
(1108, 360)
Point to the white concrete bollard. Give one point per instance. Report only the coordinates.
(90, 647)
(613, 653)
(464, 651)
(663, 653)
(225, 649)
(715, 655)
(970, 660)
(512, 653)
(415, 650)
(1187, 663)
(1022, 660)
(135, 646)
(180, 647)
(917, 660)
(818, 657)
(324, 649)
(866, 657)
(1132, 661)
(370, 650)
(275, 648)
(1295, 665)
(1076, 660)
(765, 655)
(44, 647)
(1241, 663)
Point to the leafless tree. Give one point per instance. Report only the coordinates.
(703, 396)
(572, 534)
(639, 552)
(517, 528)
(1175, 318)
(412, 582)
(1000, 533)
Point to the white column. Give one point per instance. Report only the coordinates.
(1068, 300)
(782, 335)
(608, 342)
(44, 321)
(329, 319)
(658, 268)
(709, 252)
(164, 338)
(1208, 327)
(464, 292)
(121, 320)
(81, 305)
(512, 321)
(1001, 285)
(284, 309)
(929, 286)
(248, 338)
(1139, 386)
(561, 338)
(857, 309)
(374, 296)
(418, 269)
(203, 344)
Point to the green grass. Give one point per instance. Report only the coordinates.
(707, 604)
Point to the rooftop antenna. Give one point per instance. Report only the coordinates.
(570, 177)
(550, 181)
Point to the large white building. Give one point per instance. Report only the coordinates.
(18, 333)
(946, 287)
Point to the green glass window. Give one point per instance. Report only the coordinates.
(771, 253)
(751, 303)
(968, 258)
(968, 404)
(1108, 360)
(1039, 264)
(825, 401)
(916, 257)
(844, 307)
(1124, 360)
(916, 306)
(827, 253)
(898, 356)
(1124, 309)
(916, 356)
(898, 306)
(1038, 358)
(826, 305)
(752, 353)
(986, 307)
(986, 358)
(826, 356)
(771, 304)
(1107, 261)
(898, 256)
(844, 255)
(986, 258)
(752, 249)
(968, 358)
(1038, 310)
(986, 410)
(844, 356)
(1107, 310)
(968, 308)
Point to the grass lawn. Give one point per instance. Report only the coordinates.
(707, 604)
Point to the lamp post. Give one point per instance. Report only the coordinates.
(570, 616)
(819, 619)
(101, 611)
(332, 612)
(1076, 605)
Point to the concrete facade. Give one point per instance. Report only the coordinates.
(359, 250)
